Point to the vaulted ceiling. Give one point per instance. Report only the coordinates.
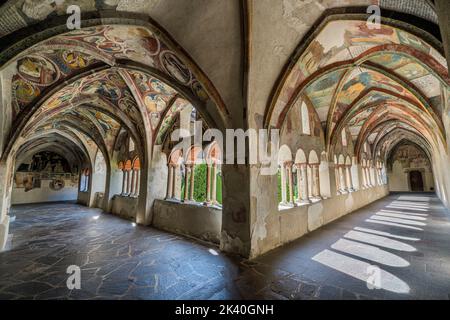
(125, 72)
(99, 80)
(368, 81)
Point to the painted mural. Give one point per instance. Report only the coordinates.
(154, 94)
(346, 40)
(170, 117)
(321, 92)
(104, 89)
(134, 43)
(38, 71)
(45, 165)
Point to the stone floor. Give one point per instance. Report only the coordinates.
(399, 246)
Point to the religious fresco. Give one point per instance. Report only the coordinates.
(345, 40)
(321, 91)
(109, 128)
(358, 121)
(38, 71)
(45, 165)
(154, 93)
(48, 162)
(410, 156)
(105, 89)
(170, 117)
(134, 43)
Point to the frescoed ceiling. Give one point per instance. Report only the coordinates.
(362, 79)
(102, 79)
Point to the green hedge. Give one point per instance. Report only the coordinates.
(200, 175)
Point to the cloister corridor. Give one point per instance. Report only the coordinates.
(405, 234)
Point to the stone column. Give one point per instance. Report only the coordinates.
(299, 183)
(208, 184)
(343, 185)
(138, 183)
(310, 178)
(337, 178)
(290, 182)
(169, 194)
(366, 181)
(186, 183)
(316, 179)
(177, 178)
(191, 185)
(6, 184)
(283, 184)
(304, 183)
(214, 183)
(349, 178)
(124, 178)
(133, 182)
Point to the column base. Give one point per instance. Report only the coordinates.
(287, 204)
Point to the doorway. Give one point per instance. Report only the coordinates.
(416, 181)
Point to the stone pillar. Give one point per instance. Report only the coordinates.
(283, 184)
(169, 194)
(337, 178)
(208, 184)
(191, 184)
(138, 183)
(177, 179)
(6, 182)
(299, 182)
(133, 182)
(127, 182)
(237, 218)
(304, 183)
(343, 184)
(290, 183)
(186, 183)
(309, 176)
(349, 178)
(316, 179)
(214, 183)
(366, 178)
(124, 177)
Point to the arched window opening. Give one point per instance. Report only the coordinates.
(193, 164)
(126, 182)
(301, 171)
(174, 180)
(285, 178)
(135, 178)
(195, 178)
(306, 128)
